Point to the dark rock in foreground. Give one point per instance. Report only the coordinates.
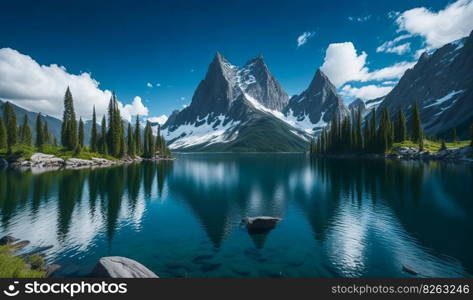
(121, 267)
(261, 223)
(8, 239)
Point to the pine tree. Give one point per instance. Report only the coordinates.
(3, 135)
(9, 117)
(116, 144)
(122, 141)
(421, 143)
(25, 132)
(366, 133)
(471, 135)
(401, 128)
(93, 134)
(137, 138)
(149, 143)
(454, 135)
(103, 148)
(81, 134)
(130, 141)
(46, 136)
(416, 124)
(443, 146)
(69, 123)
(372, 142)
(39, 131)
(359, 136)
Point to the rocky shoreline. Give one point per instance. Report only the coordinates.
(51, 162)
(454, 155)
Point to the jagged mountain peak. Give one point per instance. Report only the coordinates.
(321, 81)
(314, 108)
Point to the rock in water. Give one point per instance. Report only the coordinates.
(121, 267)
(261, 223)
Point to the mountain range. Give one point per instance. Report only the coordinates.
(245, 109)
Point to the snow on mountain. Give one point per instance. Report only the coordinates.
(441, 83)
(226, 102)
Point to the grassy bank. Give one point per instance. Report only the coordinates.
(12, 266)
(25, 152)
(431, 145)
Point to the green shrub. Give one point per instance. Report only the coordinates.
(12, 266)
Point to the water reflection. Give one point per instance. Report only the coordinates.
(342, 217)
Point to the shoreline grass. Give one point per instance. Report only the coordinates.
(25, 152)
(432, 146)
(12, 266)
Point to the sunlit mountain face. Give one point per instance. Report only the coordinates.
(341, 218)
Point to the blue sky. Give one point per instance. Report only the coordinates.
(126, 44)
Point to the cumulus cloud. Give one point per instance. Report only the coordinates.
(158, 84)
(439, 28)
(303, 38)
(41, 88)
(149, 84)
(161, 119)
(366, 92)
(133, 109)
(342, 64)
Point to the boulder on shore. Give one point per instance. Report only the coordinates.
(121, 267)
(45, 160)
(261, 222)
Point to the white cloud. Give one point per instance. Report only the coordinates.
(183, 98)
(149, 84)
(342, 64)
(41, 88)
(133, 109)
(366, 92)
(303, 38)
(439, 28)
(400, 49)
(359, 19)
(393, 47)
(419, 52)
(161, 119)
(158, 84)
(392, 72)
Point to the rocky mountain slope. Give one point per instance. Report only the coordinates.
(235, 109)
(442, 85)
(314, 108)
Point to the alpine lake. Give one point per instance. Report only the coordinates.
(182, 218)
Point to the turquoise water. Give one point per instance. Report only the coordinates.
(341, 217)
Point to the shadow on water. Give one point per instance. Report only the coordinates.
(341, 217)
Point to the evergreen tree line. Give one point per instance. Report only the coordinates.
(378, 134)
(111, 140)
(12, 134)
